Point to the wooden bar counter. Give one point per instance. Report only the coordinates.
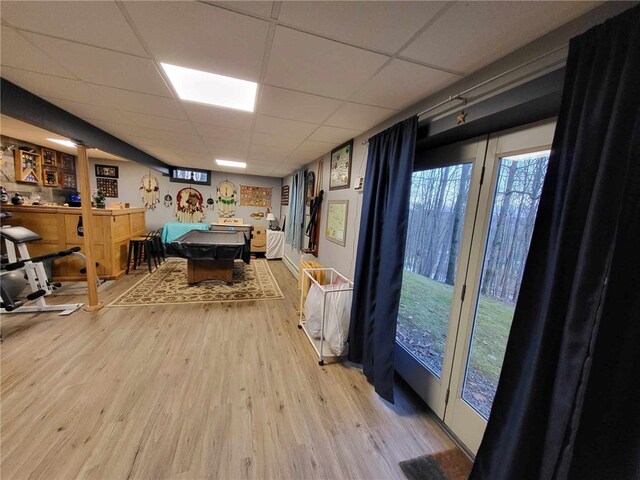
(58, 228)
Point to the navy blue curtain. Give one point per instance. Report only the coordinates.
(380, 258)
(568, 396)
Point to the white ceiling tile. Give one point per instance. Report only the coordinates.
(359, 117)
(390, 88)
(315, 65)
(163, 123)
(264, 163)
(382, 26)
(284, 127)
(228, 150)
(258, 8)
(19, 53)
(224, 133)
(223, 117)
(275, 140)
(94, 112)
(140, 102)
(334, 134)
(105, 67)
(282, 103)
(94, 23)
(312, 149)
(55, 87)
(268, 151)
(471, 35)
(261, 156)
(201, 36)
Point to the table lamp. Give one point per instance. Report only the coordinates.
(271, 219)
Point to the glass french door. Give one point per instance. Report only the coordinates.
(470, 225)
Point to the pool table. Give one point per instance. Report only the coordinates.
(210, 255)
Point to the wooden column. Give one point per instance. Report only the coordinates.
(87, 226)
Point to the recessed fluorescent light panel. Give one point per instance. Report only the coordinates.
(230, 163)
(66, 143)
(212, 89)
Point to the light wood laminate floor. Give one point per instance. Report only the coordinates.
(227, 390)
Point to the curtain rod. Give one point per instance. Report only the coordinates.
(459, 96)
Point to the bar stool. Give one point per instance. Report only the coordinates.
(139, 246)
(158, 246)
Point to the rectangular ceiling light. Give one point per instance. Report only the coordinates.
(204, 87)
(66, 143)
(230, 163)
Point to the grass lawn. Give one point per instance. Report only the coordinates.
(425, 306)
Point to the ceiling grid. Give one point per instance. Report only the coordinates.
(327, 71)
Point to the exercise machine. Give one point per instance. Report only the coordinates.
(16, 240)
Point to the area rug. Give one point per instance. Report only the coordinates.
(168, 285)
(448, 465)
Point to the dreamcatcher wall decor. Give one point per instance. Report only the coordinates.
(150, 191)
(168, 200)
(227, 199)
(189, 206)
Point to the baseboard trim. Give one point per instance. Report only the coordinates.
(293, 268)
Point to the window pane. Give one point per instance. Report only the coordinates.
(514, 210)
(436, 215)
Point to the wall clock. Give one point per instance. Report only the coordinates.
(227, 199)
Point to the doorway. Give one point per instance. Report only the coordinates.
(472, 213)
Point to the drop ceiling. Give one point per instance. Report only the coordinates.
(327, 71)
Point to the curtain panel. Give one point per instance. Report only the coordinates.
(295, 222)
(380, 257)
(567, 401)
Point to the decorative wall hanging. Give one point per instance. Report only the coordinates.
(50, 177)
(108, 171)
(252, 196)
(340, 168)
(27, 166)
(189, 206)
(108, 186)
(168, 200)
(49, 157)
(67, 171)
(311, 186)
(211, 204)
(227, 199)
(284, 196)
(257, 215)
(67, 162)
(150, 192)
(336, 230)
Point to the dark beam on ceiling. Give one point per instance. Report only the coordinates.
(22, 105)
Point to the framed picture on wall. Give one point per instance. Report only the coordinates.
(336, 230)
(340, 168)
(108, 171)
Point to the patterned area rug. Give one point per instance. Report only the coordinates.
(168, 285)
